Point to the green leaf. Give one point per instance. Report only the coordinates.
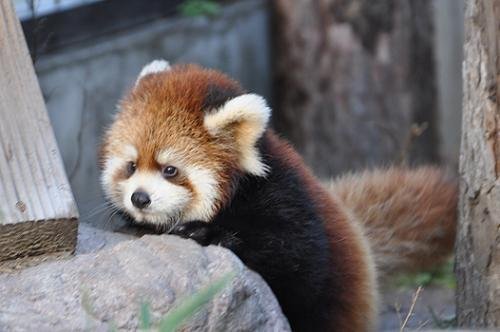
(199, 8)
(442, 276)
(189, 306)
(112, 327)
(86, 303)
(145, 317)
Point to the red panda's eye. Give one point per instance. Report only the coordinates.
(169, 171)
(131, 167)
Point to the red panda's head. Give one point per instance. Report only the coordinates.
(182, 135)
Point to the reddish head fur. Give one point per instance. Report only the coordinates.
(165, 111)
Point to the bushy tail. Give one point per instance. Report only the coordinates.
(409, 216)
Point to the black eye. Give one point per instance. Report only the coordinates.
(131, 167)
(169, 171)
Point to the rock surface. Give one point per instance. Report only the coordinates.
(92, 239)
(104, 290)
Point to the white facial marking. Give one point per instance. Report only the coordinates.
(156, 66)
(168, 156)
(168, 200)
(207, 192)
(112, 164)
(203, 181)
(130, 152)
(252, 114)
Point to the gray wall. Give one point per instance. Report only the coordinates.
(449, 27)
(81, 86)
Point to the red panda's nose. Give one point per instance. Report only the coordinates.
(140, 199)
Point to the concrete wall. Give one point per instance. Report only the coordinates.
(81, 86)
(449, 29)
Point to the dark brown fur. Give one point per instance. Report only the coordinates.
(352, 277)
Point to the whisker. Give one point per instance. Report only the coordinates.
(97, 210)
(110, 218)
(176, 222)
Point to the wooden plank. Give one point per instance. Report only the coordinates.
(38, 214)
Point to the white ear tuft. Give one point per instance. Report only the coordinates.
(249, 108)
(156, 66)
(248, 116)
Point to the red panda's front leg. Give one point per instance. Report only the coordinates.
(207, 233)
(292, 257)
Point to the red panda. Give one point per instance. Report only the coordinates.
(190, 153)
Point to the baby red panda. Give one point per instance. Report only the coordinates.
(190, 153)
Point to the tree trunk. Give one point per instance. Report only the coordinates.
(478, 244)
(351, 78)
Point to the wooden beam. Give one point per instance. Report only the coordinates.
(38, 214)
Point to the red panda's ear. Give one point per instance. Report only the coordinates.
(246, 117)
(156, 66)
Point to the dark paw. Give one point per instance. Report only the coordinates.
(199, 231)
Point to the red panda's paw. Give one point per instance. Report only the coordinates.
(208, 233)
(199, 231)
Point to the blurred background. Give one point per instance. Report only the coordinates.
(353, 83)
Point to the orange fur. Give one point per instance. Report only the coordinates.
(178, 96)
(408, 216)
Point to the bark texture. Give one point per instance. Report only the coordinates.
(478, 245)
(351, 77)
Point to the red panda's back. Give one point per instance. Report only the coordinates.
(354, 287)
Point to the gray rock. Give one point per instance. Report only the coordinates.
(104, 290)
(92, 239)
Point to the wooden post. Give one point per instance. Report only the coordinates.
(478, 242)
(38, 214)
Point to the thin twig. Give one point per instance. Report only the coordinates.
(416, 130)
(397, 307)
(412, 307)
(421, 326)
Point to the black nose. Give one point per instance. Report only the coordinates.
(140, 199)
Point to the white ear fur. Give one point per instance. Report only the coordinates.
(155, 66)
(250, 115)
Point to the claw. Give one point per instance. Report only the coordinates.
(195, 230)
